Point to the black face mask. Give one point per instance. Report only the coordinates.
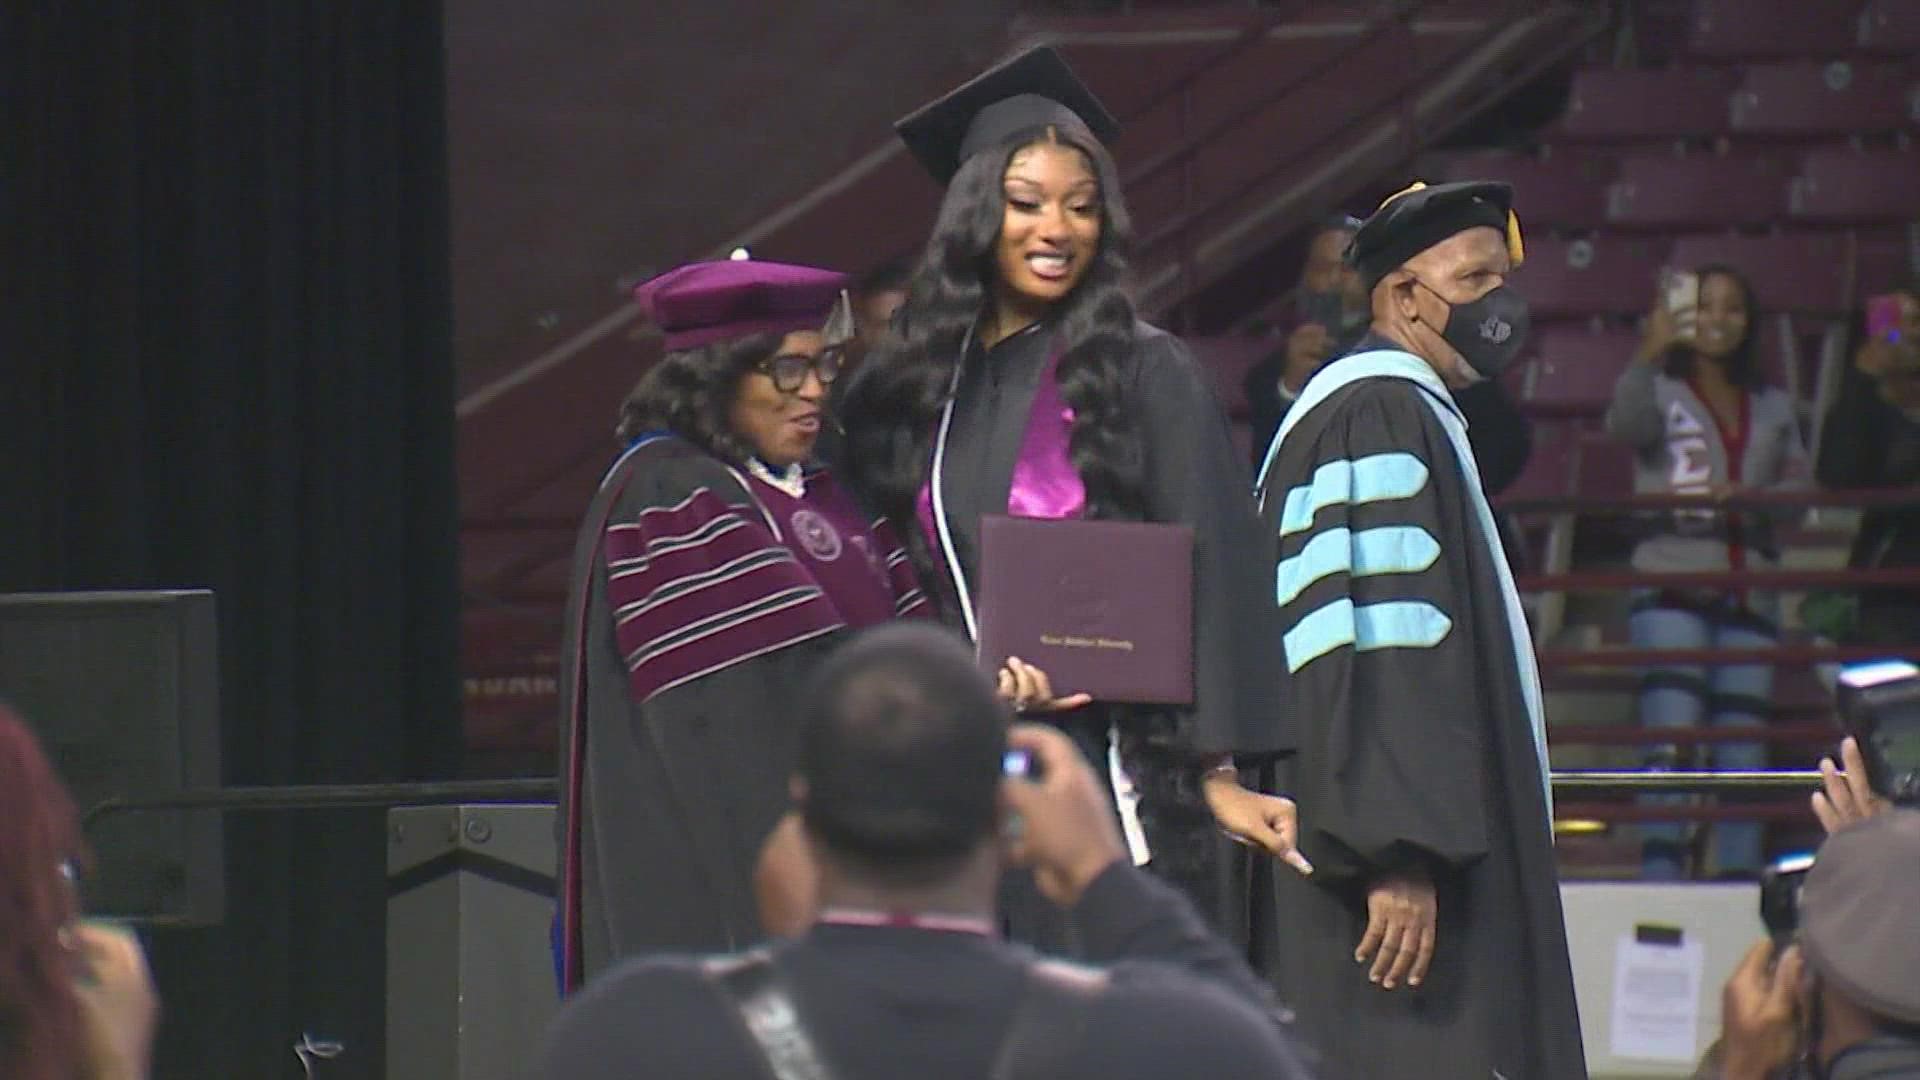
(1489, 331)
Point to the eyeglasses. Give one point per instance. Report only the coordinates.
(789, 370)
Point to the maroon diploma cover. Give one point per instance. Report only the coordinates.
(1103, 607)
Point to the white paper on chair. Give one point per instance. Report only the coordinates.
(1656, 1000)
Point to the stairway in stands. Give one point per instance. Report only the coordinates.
(1777, 136)
(1243, 121)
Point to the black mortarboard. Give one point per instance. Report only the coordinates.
(1031, 91)
(1414, 219)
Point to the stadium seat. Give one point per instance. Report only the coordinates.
(1811, 98)
(1890, 26)
(1792, 272)
(1604, 275)
(1844, 186)
(1742, 29)
(1698, 191)
(1603, 468)
(1549, 471)
(1564, 191)
(1228, 359)
(1616, 105)
(1576, 369)
(1885, 263)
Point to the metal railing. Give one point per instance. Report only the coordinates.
(546, 790)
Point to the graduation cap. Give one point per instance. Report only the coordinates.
(701, 303)
(1032, 91)
(1414, 219)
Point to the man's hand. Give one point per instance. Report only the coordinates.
(1061, 826)
(1758, 1012)
(1845, 797)
(1030, 691)
(118, 1004)
(1268, 822)
(1307, 349)
(1402, 916)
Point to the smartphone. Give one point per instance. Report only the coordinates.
(1780, 897)
(1883, 318)
(1680, 290)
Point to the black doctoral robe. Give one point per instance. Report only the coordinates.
(690, 627)
(1192, 476)
(1418, 749)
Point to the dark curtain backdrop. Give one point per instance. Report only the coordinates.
(227, 364)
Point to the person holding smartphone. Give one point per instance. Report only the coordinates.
(1870, 438)
(1697, 411)
(76, 999)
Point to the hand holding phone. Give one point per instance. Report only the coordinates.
(1680, 292)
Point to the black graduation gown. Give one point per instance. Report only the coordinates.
(1192, 477)
(1417, 750)
(678, 792)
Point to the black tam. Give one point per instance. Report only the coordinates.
(1421, 216)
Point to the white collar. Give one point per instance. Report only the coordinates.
(792, 480)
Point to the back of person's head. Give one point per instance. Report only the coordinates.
(1858, 924)
(901, 743)
(41, 1030)
(893, 275)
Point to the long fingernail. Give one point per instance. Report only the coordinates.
(1413, 982)
(1388, 984)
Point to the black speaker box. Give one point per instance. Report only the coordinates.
(123, 689)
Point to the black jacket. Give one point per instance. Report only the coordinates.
(895, 1002)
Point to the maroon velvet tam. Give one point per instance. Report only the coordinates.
(701, 303)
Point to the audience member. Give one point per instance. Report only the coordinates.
(75, 997)
(908, 820)
(1331, 311)
(877, 294)
(1701, 419)
(1845, 999)
(1871, 439)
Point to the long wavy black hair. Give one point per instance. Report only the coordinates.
(893, 408)
(690, 393)
(1743, 363)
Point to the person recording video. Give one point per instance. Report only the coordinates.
(914, 795)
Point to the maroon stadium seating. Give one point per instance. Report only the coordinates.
(1563, 191)
(1839, 185)
(1698, 191)
(1227, 360)
(1891, 26)
(1576, 369)
(1737, 29)
(1615, 105)
(1549, 471)
(1815, 98)
(1604, 275)
(1795, 272)
(1603, 468)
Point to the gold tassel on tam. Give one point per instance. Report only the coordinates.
(1516, 249)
